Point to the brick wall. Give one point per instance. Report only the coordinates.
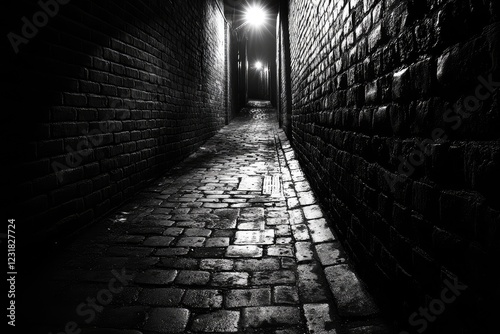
(397, 128)
(283, 57)
(103, 97)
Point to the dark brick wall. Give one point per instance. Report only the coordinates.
(283, 57)
(399, 135)
(104, 97)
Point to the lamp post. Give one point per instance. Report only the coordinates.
(254, 17)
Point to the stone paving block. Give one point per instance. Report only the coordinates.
(300, 232)
(312, 212)
(285, 295)
(312, 286)
(273, 277)
(203, 252)
(247, 297)
(265, 237)
(161, 296)
(178, 263)
(223, 234)
(276, 221)
(190, 224)
(219, 321)
(306, 198)
(297, 175)
(244, 251)
(192, 277)
(158, 241)
(260, 316)
(240, 205)
(283, 230)
(277, 213)
(257, 264)
(167, 320)
(288, 263)
(203, 298)
(302, 186)
(190, 242)
(215, 205)
(351, 296)
(197, 232)
(250, 225)
(217, 264)
(173, 231)
(230, 279)
(227, 214)
(250, 183)
(320, 231)
(329, 254)
(174, 251)
(318, 319)
(292, 202)
(217, 242)
(280, 250)
(284, 241)
(304, 251)
(296, 217)
(156, 277)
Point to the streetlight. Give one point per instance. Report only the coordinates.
(258, 65)
(255, 16)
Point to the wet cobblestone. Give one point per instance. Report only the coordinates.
(205, 250)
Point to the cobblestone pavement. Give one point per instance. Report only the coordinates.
(231, 240)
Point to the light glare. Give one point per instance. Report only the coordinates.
(258, 65)
(255, 16)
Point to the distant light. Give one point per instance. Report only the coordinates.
(255, 16)
(258, 65)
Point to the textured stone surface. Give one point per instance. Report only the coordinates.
(318, 319)
(248, 297)
(351, 296)
(198, 267)
(219, 321)
(244, 251)
(167, 320)
(381, 100)
(257, 317)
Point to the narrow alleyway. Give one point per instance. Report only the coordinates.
(230, 240)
